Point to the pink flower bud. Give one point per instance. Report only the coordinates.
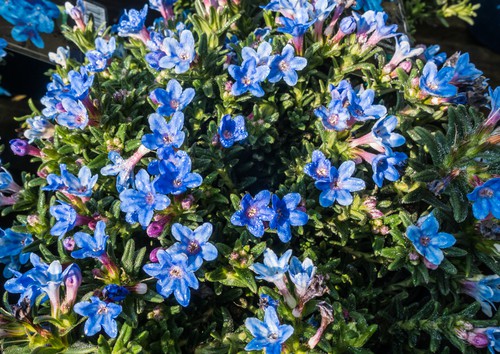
(69, 244)
(478, 340)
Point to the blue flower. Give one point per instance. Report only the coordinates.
(427, 240)
(6, 181)
(101, 315)
(24, 285)
(361, 106)
(266, 301)
(464, 71)
(248, 77)
(172, 99)
(118, 167)
(176, 178)
(39, 128)
(65, 217)
(262, 56)
(179, 54)
(381, 30)
(11, 246)
(323, 8)
(175, 275)
(431, 53)
(334, 117)
(253, 212)
(402, 52)
(231, 130)
(297, 25)
(339, 185)
(494, 115)
(385, 166)
(3, 44)
(99, 57)
(140, 203)
(286, 215)
(367, 5)
(194, 243)
(80, 83)
(164, 134)
(160, 5)
(60, 56)
(485, 290)
(382, 131)
(269, 334)
(27, 27)
(132, 22)
(486, 199)
(74, 114)
(437, 83)
(319, 168)
(301, 274)
(284, 66)
(115, 292)
(274, 269)
(493, 334)
(91, 247)
(80, 186)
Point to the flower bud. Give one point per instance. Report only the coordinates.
(348, 25)
(72, 282)
(69, 244)
(115, 292)
(21, 147)
(478, 340)
(155, 229)
(33, 220)
(153, 255)
(187, 202)
(139, 288)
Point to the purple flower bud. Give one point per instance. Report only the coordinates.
(72, 282)
(19, 147)
(69, 244)
(413, 256)
(187, 202)
(478, 340)
(155, 229)
(430, 265)
(348, 25)
(152, 256)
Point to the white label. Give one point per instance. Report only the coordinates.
(97, 11)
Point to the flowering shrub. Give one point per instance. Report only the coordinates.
(293, 177)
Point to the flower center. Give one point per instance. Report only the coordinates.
(193, 247)
(284, 66)
(227, 134)
(175, 272)
(177, 182)
(174, 104)
(322, 171)
(272, 336)
(150, 198)
(246, 80)
(486, 193)
(251, 212)
(167, 139)
(425, 240)
(333, 119)
(102, 310)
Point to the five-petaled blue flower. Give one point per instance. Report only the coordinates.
(132, 22)
(140, 203)
(179, 54)
(231, 130)
(486, 199)
(319, 168)
(101, 315)
(99, 57)
(301, 274)
(65, 217)
(194, 243)
(428, 241)
(73, 115)
(91, 247)
(273, 270)
(385, 166)
(286, 215)
(262, 55)
(176, 177)
(253, 212)
(11, 247)
(464, 71)
(269, 334)
(333, 117)
(173, 99)
(361, 106)
(248, 77)
(339, 185)
(382, 130)
(285, 66)
(175, 274)
(80, 186)
(437, 83)
(485, 290)
(164, 134)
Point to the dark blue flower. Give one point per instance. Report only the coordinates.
(319, 168)
(486, 199)
(269, 334)
(427, 240)
(339, 185)
(431, 53)
(176, 178)
(493, 334)
(464, 71)
(23, 284)
(132, 22)
(253, 212)
(91, 247)
(361, 106)
(301, 275)
(231, 130)
(382, 130)
(173, 99)
(140, 203)
(274, 269)
(101, 315)
(74, 114)
(284, 66)
(485, 290)
(248, 77)
(65, 217)
(367, 5)
(115, 292)
(164, 134)
(385, 166)
(194, 243)
(333, 117)
(175, 275)
(179, 54)
(286, 215)
(28, 27)
(437, 83)
(11, 247)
